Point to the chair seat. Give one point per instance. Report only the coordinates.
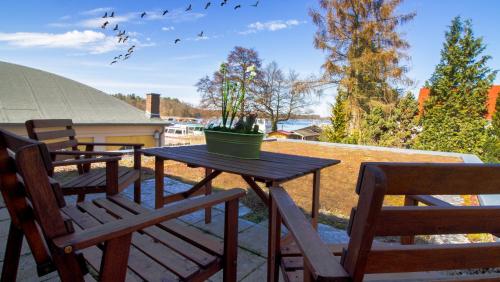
(95, 181)
(169, 251)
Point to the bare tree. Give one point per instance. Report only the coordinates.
(279, 96)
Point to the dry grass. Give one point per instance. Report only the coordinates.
(337, 182)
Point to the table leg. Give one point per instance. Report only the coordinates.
(159, 178)
(315, 199)
(208, 191)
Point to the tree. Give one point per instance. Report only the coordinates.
(238, 61)
(492, 145)
(364, 51)
(278, 96)
(337, 131)
(454, 115)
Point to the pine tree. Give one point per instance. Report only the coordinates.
(492, 146)
(337, 132)
(454, 115)
(365, 52)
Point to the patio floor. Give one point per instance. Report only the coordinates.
(252, 236)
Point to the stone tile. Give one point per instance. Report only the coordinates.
(259, 274)
(254, 239)
(216, 227)
(332, 235)
(198, 216)
(4, 214)
(247, 263)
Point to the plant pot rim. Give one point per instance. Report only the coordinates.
(234, 133)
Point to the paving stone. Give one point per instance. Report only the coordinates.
(247, 263)
(260, 274)
(216, 227)
(4, 214)
(332, 235)
(254, 239)
(198, 216)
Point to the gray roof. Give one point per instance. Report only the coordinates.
(27, 93)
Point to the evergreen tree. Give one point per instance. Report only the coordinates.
(337, 131)
(492, 146)
(454, 115)
(365, 52)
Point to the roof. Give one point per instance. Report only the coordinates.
(27, 93)
(490, 103)
(284, 132)
(312, 130)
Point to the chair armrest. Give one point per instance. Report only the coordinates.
(135, 145)
(86, 153)
(92, 236)
(318, 258)
(86, 161)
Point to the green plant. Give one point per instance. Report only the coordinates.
(233, 95)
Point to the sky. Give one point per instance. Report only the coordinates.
(66, 38)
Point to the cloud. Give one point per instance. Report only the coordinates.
(97, 22)
(97, 11)
(271, 26)
(87, 40)
(168, 28)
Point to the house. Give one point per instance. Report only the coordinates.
(27, 93)
(310, 133)
(280, 134)
(493, 94)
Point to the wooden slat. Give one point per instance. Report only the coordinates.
(51, 122)
(189, 234)
(61, 145)
(441, 179)
(411, 220)
(182, 247)
(412, 258)
(47, 135)
(152, 248)
(430, 200)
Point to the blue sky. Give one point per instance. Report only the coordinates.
(65, 37)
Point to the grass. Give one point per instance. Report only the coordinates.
(337, 195)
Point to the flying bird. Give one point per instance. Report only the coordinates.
(165, 12)
(143, 14)
(200, 34)
(114, 62)
(256, 4)
(131, 49)
(125, 39)
(224, 2)
(207, 5)
(116, 28)
(121, 33)
(103, 26)
(120, 39)
(189, 8)
(177, 41)
(237, 7)
(118, 57)
(112, 14)
(105, 15)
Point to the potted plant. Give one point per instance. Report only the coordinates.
(240, 139)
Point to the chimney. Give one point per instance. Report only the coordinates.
(153, 105)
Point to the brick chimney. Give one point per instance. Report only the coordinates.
(153, 105)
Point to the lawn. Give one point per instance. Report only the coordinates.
(337, 183)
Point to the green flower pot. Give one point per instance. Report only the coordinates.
(238, 145)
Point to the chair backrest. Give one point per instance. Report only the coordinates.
(25, 184)
(58, 134)
(371, 218)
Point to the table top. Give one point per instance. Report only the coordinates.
(270, 166)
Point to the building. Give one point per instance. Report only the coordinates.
(280, 134)
(27, 93)
(310, 133)
(490, 104)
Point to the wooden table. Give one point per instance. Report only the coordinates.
(272, 169)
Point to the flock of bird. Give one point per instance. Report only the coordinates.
(122, 36)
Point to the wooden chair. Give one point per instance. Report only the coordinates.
(116, 237)
(59, 136)
(309, 259)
